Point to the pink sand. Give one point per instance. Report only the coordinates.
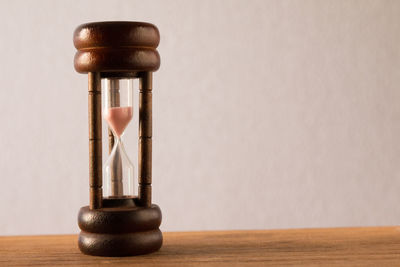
(118, 118)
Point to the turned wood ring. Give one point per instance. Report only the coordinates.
(116, 46)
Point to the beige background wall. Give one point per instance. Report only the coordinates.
(267, 114)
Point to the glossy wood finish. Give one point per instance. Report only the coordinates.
(373, 246)
(120, 228)
(119, 218)
(95, 141)
(116, 33)
(116, 46)
(118, 50)
(145, 138)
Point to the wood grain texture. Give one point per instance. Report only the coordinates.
(145, 138)
(120, 228)
(373, 246)
(116, 46)
(95, 140)
(116, 34)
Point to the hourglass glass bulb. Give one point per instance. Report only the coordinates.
(118, 174)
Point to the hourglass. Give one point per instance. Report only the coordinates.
(118, 222)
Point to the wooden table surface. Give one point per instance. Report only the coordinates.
(372, 246)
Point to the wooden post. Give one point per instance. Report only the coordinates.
(145, 135)
(95, 147)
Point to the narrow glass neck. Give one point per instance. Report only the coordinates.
(117, 139)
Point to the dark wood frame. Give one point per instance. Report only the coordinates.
(95, 139)
(124, 226)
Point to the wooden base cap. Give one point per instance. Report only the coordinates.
(118, 245)
(120, 228)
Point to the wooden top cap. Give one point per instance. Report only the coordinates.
(116, 47)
